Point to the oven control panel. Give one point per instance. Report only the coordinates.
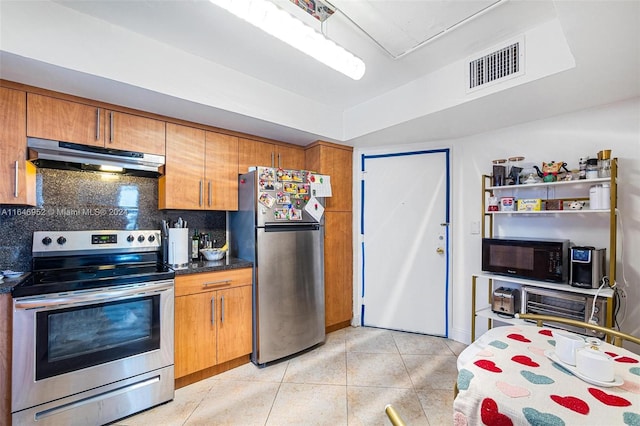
(49, 243)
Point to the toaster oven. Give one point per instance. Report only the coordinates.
(566, 305)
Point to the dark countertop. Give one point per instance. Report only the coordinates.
(214, 265)
(7, 284)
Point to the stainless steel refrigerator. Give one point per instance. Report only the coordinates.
(279, 226)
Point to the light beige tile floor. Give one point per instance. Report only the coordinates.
(347, 381)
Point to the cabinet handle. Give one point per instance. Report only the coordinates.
(213, 311)
(209, 183)
(97, 124)
(272, 159)
(15, 190)
(221, 310)
(111, 127)
(279, 161)
(200, 202)
(220, 283)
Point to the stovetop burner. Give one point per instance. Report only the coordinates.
(81, 260)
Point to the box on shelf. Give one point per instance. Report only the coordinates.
(553, 205)
(530, 205)
(507, 204)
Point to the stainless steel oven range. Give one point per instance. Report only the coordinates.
(92, 328)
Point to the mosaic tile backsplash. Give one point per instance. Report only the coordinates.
(72, 200)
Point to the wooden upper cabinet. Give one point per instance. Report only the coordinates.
(254, 153)
(182, 186)
(68, 121)
(56, 119)
(335, 161)
(134, 133)
(221, 171)
(17, 175)
(290, 158)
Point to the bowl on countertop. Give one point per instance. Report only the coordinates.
(212, 253)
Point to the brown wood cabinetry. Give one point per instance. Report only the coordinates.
(212, 321)
(256, 153)
(68, 121)
(336, 161)
(200, 170)
(17, 175)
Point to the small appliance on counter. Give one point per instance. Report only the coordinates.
(587, 267)
(506, 301)
(176, 244)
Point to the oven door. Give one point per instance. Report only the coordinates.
(70, 342)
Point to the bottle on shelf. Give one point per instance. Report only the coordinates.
(195, 245)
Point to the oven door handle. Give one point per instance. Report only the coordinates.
(95, 296)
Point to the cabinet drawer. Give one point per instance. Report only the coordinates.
(207, 281)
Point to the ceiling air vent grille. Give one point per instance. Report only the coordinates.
(495, 65)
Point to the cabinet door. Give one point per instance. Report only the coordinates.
(195, 333)
(182, 186)
(134, 133)
(338, 268)
(290, 158)
(221, 172)
(17, 176)
(254, 153)
(67, 121)
(234, 323)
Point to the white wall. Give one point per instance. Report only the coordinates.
(562, 138)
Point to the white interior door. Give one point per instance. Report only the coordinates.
(405, 241)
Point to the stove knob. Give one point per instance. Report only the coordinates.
(151, 238)
(141, 238)
(46, 241)
(61, 240)
(130, 238)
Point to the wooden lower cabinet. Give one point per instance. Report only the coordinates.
(213, 318)
(338, 270)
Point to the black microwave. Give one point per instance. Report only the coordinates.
(530, 258)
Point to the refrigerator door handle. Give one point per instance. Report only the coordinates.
(288, 227)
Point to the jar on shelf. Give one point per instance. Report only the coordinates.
(592, 168)
(515, 168)
(604, 163)
(499, 172)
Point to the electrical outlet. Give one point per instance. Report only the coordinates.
(475, 227)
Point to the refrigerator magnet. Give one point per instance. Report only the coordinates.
(314, 208)
(283, 198)
(281, 213)
(291, 188)
(295, 214)
(266, 185)
(266, 199)
(267, 174)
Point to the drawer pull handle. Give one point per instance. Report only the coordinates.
(217, 283)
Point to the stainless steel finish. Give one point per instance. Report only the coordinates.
(105, 404)
(221, 309)
(565, 305)
(279, 160)
(220, 283)
(15, 191)
(111, 127)
(273, 159)
(288, 287)
(97, 124)
(289, 295)
(213, 311)
(30, 394)
(201, 194)
(81, 240)
(210, 193)
(47, 149)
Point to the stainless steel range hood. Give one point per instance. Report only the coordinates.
(71, 156)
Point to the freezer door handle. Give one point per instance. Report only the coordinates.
(288, 227)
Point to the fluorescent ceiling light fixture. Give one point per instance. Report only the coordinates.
(289, 29)
(106, 168)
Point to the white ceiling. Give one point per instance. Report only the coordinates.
(192, 60)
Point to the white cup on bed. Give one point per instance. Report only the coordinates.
(566, 346)
(595, 364)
